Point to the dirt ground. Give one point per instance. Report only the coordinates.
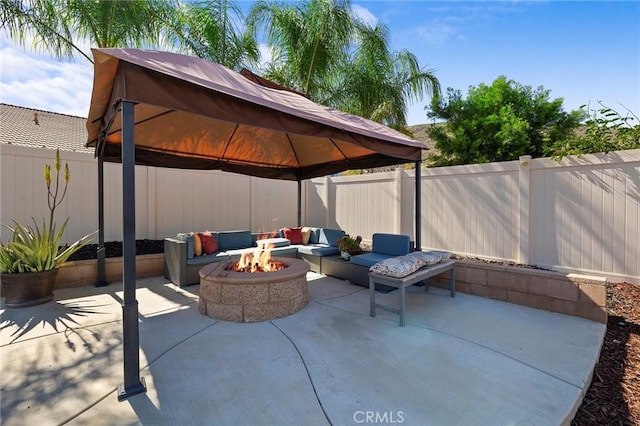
(614, 395)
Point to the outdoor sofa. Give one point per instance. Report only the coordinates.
(182, 265)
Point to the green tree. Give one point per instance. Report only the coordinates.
(376, 83)
(212, 30)
(320, 48)
(605, 130)
(60, 26)
(498, 123)
(307, 40)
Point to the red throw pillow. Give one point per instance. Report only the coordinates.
(294, 235)
(209, 244)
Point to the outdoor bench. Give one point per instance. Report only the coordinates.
(402, 282)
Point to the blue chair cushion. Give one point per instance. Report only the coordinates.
(330, 237)
(368, 259)
(391, 244)
(206, 259)
(186, 236)
(318, 250)
(230, 240)
(315, 236)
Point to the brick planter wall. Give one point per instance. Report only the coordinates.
(571, 294)
(84, 272)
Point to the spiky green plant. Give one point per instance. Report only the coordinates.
(37, 249)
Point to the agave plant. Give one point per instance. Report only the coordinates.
(35, 248)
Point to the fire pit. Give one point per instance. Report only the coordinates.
(230, 295)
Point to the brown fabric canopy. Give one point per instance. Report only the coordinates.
(191, 113)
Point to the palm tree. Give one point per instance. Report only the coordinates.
(307, 39)
(60, 26)
(378, 83)
(321, 49)
(211, 30)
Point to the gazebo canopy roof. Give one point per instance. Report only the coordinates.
(191, 113)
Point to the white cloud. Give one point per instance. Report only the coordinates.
(266, 55)
(364, 14)
(437, 32)
(38, 81)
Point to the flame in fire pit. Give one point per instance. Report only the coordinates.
(258, 261)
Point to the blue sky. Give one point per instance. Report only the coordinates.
(583, 52)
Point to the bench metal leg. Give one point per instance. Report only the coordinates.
(452, 284)
(372, 297)
(402, 305)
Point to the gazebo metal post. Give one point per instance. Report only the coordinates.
(299, 202)
(418, 237)
(133, 384)
(100, 279)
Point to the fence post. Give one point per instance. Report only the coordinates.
(398, 201)
(152, 231)
(524, 181)
(327, 203)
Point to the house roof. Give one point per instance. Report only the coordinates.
(36, 128)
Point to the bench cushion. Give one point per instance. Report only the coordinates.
(401, 266)
(398, 267)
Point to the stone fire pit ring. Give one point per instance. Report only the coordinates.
(253, 297)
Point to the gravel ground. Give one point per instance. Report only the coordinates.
(114, 249)
(614, 395)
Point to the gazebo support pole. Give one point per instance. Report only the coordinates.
(100, 280)
(418, 206)
(299, 202)
(133, 384)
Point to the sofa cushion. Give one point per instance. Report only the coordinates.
(186, 237)
(314, 237)
(294, 235)
(230, 240)
(235, 254)
(391, 244)
(330, 237)
(318, 250)
(287, 251)
(209, 244)
(368, 259)
(306, 234)
(206, 259)
(273, 242)
(197, 244)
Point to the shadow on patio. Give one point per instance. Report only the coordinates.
(459, 360)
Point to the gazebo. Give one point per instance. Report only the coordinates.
(170, 110)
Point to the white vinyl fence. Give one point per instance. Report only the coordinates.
(581, 214)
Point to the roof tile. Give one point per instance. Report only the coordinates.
(42, 129)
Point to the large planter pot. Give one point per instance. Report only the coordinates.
(28, 289)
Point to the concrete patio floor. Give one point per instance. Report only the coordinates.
(459, 361)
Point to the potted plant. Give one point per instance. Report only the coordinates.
(29, 261)
(349, 246)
